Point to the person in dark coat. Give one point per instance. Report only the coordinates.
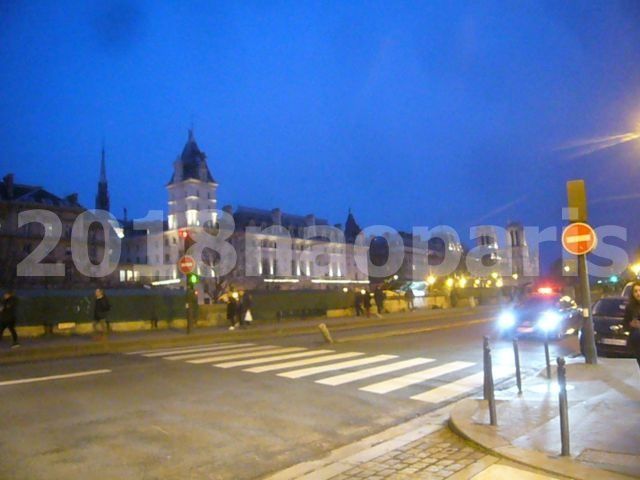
(409, 296)
(378, 296)
(366, 300)
(101, 308)
(632, 321)
(9, 316)
(358, 303)
(232, 307)
(245, 306)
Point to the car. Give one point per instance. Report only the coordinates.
(543, 315)
(608, 327)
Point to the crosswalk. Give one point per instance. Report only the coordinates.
(388, 373)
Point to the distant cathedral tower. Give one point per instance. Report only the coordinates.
(102, 198)
(191, 189)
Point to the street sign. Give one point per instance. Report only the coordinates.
(579, 238)
(186, 264)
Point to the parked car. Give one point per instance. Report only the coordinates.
(609, 331)
(543, 315)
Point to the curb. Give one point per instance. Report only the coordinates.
(486, 438)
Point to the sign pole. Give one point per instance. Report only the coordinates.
(583, 242)
(589, 344)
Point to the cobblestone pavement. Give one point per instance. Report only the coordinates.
(434, 457)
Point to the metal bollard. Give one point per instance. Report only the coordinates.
(488, 382)
(325, 333)
(516, 354)
(564, 408)
(546, 355)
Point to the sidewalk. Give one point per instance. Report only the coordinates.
(59, 346)
(604, 414)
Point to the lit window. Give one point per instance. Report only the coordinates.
(192, 217)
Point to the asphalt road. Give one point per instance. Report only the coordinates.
(238, 411)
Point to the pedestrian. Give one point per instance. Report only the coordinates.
(101, 307)
(632, 321)
(358, 303)
(245, 308)
(366, 300)
(409, 298)
(9, 316)
(232, 307)
(378, 296)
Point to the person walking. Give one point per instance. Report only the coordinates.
(358, 303)
(378, 296)
(101, 307)
(632, 321)
(245, 310)
(232, 306)
(409, 296)
(9, 316)
(366, 300)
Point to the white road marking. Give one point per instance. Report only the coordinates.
(372, 372)
(153, 350)
(219, 352)
(579, 238)
(210, 348)
(302, 363)
(53, 377)
(305, 372)
(416, 377)
(458, 387)
(262, 353)
(255, 361)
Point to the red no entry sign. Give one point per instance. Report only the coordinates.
(579, 238)
(186, 264)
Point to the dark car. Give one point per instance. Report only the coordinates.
(541, 315)
(610, 334)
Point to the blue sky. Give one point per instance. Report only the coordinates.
(410, 113)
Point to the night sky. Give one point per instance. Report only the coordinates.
(410, 113)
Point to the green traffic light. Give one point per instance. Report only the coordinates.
(193, 278)
(613, 279)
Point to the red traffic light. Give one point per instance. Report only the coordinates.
(184, 234)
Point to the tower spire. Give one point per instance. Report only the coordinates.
(102, 197)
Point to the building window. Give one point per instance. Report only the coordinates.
(172, 222)
(192, 217)
(122, 276)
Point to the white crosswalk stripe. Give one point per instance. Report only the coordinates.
(254, 361)
(208, 348)
(224, 351)
(305, 372)
(459, 387)
(414, 378)
(234, 356)
(340, 368)
(303, 363)
(374, 371)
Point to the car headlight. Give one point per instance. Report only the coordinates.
(506, 320)
(549, 320)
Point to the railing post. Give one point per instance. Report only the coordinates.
(546, 355)
(564, 408)
(516, 354)
(488, 382)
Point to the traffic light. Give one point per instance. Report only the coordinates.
(187, 239)
(613, 279)
(192, 280)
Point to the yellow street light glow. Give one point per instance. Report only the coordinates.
(462, 282)
(395, 277)
(514, 276)
(449, 282)
(635, 268)
(499, 283)
(345, 289)
(363, 291)
(494, 275)
(566, 268)
(476, 283)
(488, 283)
(431, 279)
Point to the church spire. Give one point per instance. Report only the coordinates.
(103, 167)
(102, 198)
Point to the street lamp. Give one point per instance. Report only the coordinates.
(449, 282)
(635, 268)
(431, 279)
